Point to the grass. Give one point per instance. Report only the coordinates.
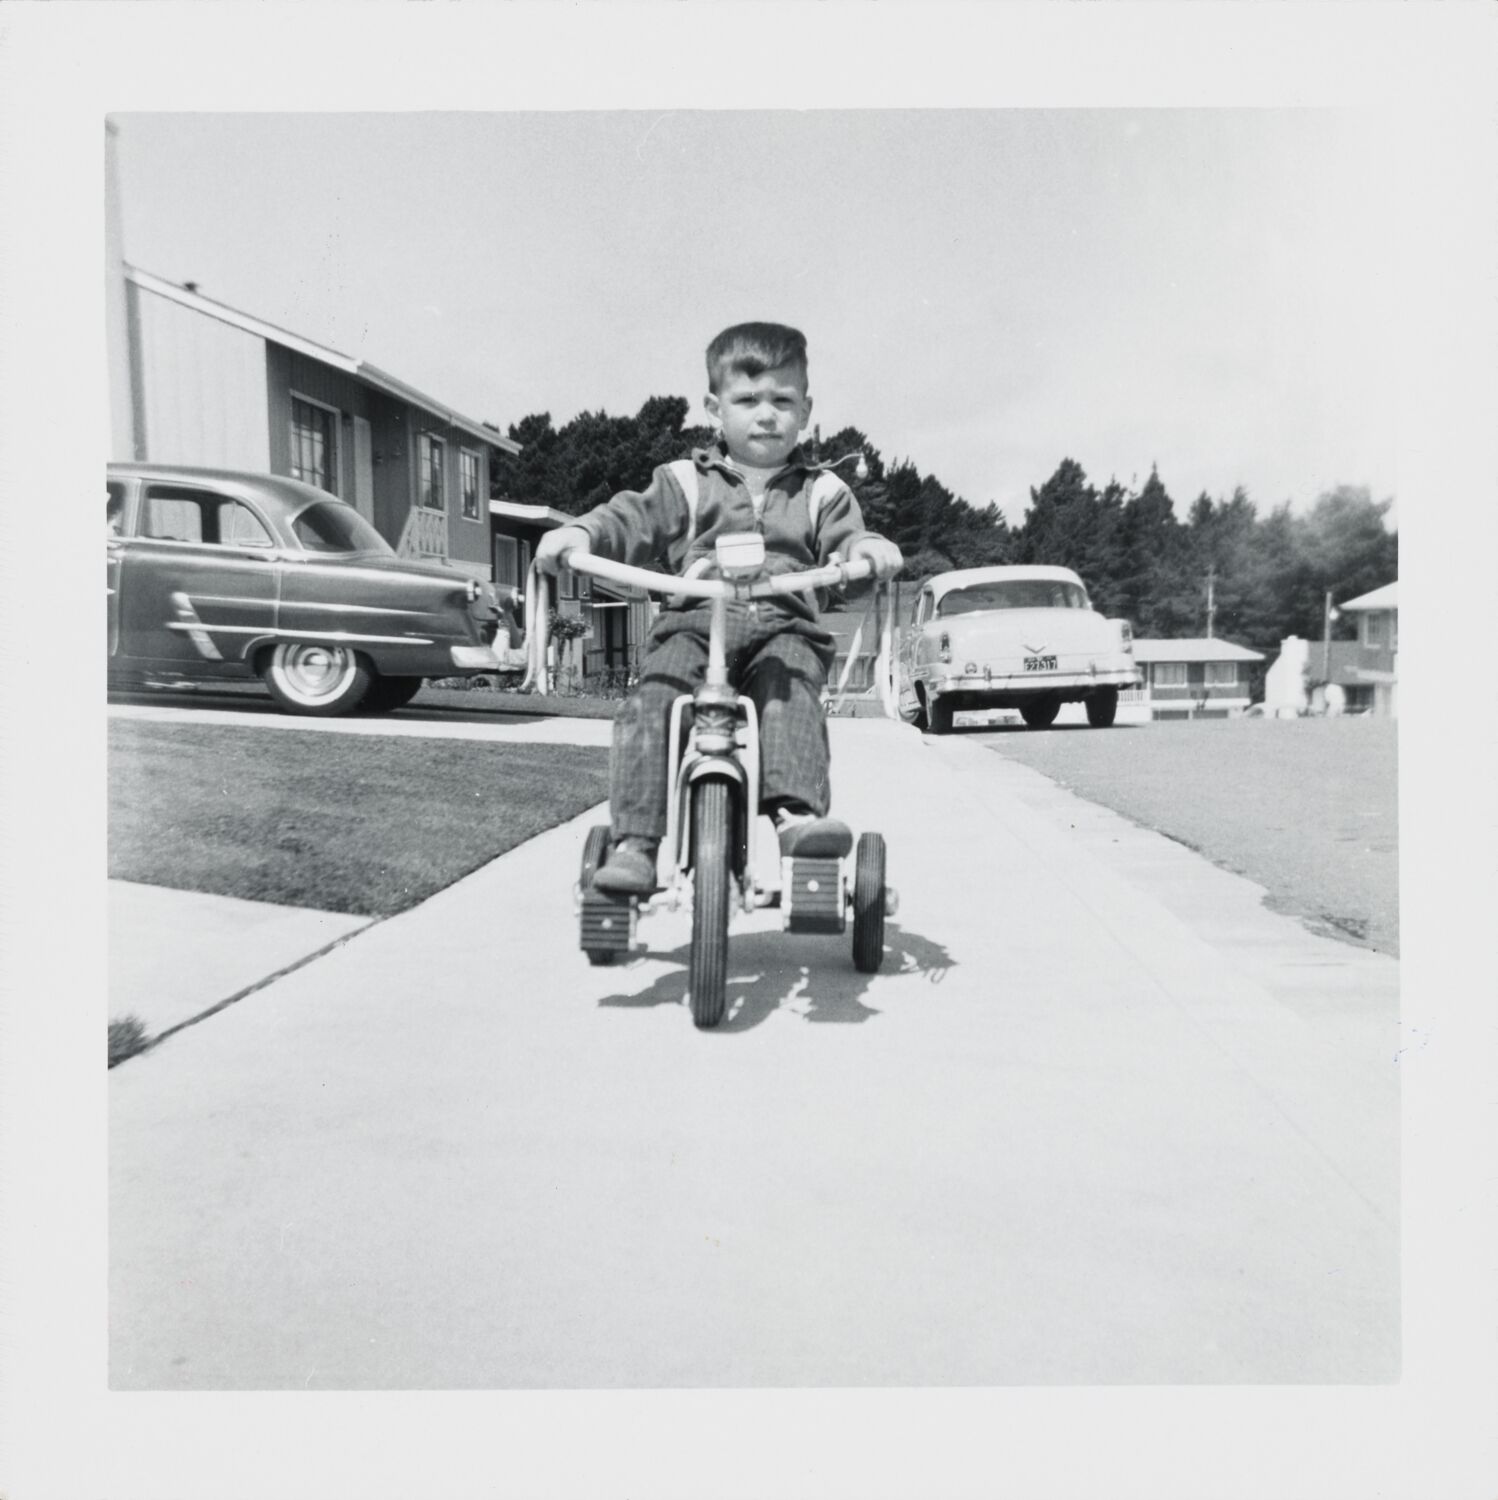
(127, 1036)
(363, 824)
(524, 707)
(1307, 808)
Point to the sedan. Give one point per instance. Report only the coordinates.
(216, 576)
(1011, 637)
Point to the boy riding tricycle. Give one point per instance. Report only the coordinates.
(726, 720)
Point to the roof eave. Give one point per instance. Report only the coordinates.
(360, 369)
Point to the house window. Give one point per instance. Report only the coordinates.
(433, 491)
(314, 444)
(472, 491)
(507, 561)
(1374, 633)
(1168, 674)
(1222, 674)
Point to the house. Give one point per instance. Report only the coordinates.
(211, 385)
(1371, 679)
(617, 619)
(1197, 678)
(1358, 676)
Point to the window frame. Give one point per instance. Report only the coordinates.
(1157, 667)
(1213, 677)
(198, 496)
(509, 545)
(464, 454)
(427, 443)
(334, 454)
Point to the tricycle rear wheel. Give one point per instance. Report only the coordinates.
(711, 819)
(595, 852)
(868, 904)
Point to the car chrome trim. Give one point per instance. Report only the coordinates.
(187, 620)
(1032, 682)
(343, 636)
(474, 656)
(362, 609)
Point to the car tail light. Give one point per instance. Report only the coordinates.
(944, 647)
(1126, 634)
(474, 590)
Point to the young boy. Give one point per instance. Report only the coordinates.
(756, 478)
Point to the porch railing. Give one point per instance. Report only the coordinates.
(424, 534)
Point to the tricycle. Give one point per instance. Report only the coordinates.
(707, 858)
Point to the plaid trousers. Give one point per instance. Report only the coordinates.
(781, 666)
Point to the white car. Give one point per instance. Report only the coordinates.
(1011, 637)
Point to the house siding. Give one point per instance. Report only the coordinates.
(201, 392)
(289, 372)
(394, 432)
(467, 541)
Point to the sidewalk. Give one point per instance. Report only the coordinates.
(1101, 1119)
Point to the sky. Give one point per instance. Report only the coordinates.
(985, 292)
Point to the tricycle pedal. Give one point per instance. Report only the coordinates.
(607, 923)
(813, 895)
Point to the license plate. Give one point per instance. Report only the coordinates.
(1040, 664)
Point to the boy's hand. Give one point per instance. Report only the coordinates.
(884, 555)
(552, 547)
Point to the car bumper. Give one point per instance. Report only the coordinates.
(1032, 684)
(475, 658)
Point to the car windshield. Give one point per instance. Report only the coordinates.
(328, 526)
(1013, 593)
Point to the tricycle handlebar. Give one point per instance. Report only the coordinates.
(714, 588)
(837, 573)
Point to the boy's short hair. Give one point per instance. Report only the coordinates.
(753, 348)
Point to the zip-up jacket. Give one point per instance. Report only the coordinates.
(649, 527)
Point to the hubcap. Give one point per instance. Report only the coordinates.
(316, 671)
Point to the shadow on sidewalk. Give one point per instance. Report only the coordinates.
(812, 977)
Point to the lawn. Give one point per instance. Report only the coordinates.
(430, 702)
(1307, 808)
(351, 823)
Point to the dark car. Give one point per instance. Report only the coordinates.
(219, 575)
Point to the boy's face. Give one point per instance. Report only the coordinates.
(762, 415)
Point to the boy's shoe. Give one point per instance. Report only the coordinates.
(806, 836)
(629, 870)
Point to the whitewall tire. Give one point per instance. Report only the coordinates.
(316, 679)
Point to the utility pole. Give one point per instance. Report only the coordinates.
(1211, 598)
(1326, 640)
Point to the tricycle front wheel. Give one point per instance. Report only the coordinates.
(711, 827)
